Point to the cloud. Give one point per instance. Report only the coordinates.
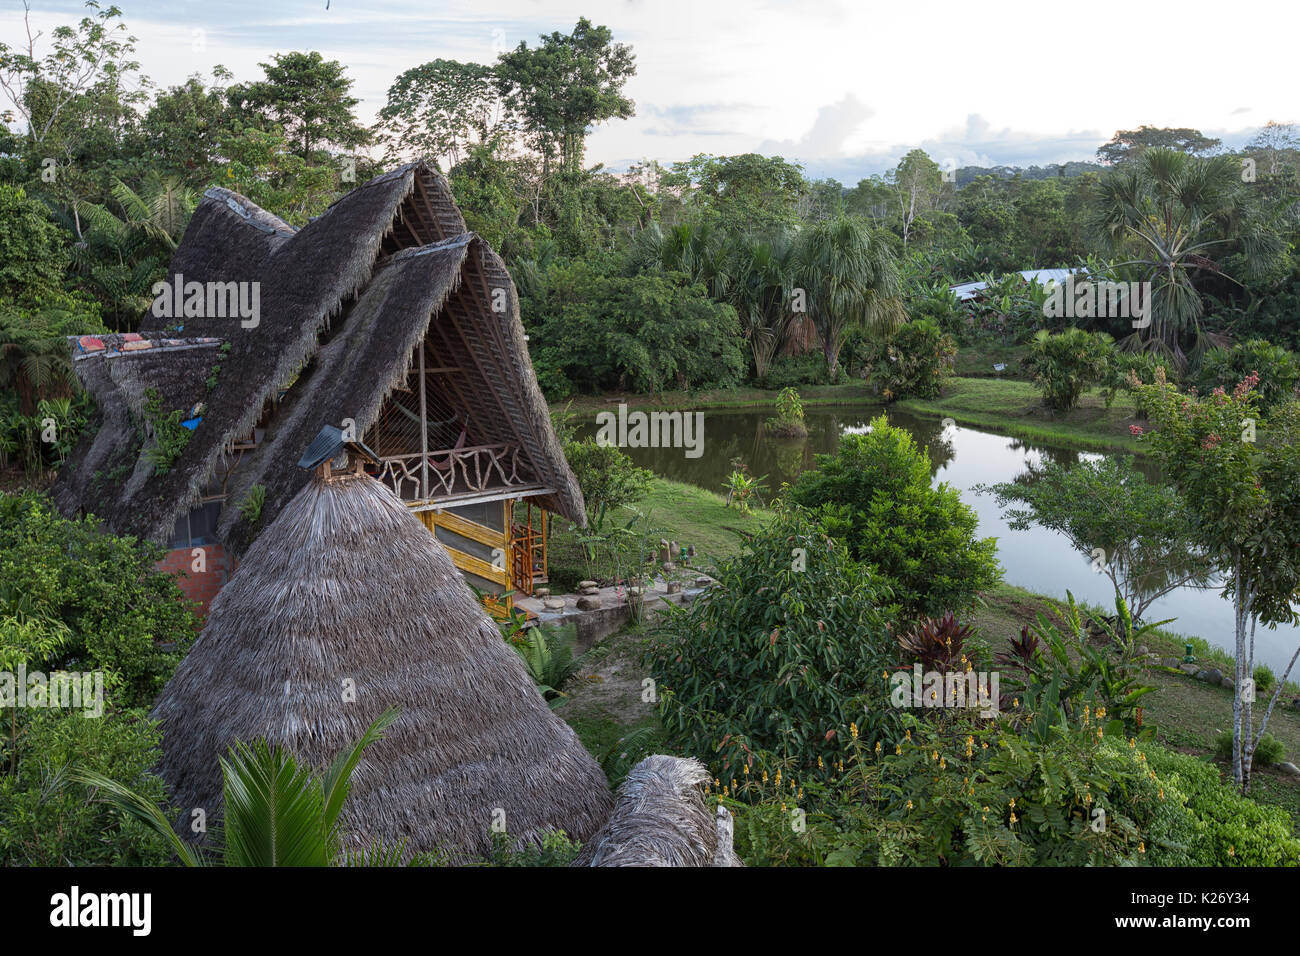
(836, 124)
(694, 119)
(976, 143)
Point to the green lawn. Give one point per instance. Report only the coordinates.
(1016, 408)
(672, 510)
(977, 361)
(855, 392)
(700, 517)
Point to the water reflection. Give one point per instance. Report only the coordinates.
(1036, 558)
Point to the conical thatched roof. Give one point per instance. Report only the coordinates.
(347, 590)
(343, 302)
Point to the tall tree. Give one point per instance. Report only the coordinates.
(1275, 140)
(1130, 143)
(438, 110)
(850, 281)
(1240, 474)
(181, 132)
(1175, 214)
(917, 182)
(745, 193)
(309, 97)
(94, 57)
(759, 273)
(561, 88)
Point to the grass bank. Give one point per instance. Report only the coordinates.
(978, 361)
(1002, 405)
(850, 393)
(1016, 408)
(680, 512)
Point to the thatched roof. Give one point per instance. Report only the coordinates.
(343, 302)
(660, 818)
(124, 371)
(302, 620)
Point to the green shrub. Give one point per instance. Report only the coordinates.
(1232, 830)
(781, 654)
(791, 371)
(1264, 678)
(913, 362)
(169, 436)
(1066, 365)
(957, 790)
(34, 249)
(600, 331)
(122, 613)
(556, 849)
(1036, 786)
(1270, 750)
(606, 475)
(788, 421)
(547, 652)
(1278, 370)
(874, 494)
(251, 506)
(45, 818)
(1083, 674)
(1126, 369)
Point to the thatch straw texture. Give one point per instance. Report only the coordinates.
(110, 456)
(660, 819)
(313, 283)
(346, 589)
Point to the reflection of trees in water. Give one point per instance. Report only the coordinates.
(929, 434)
(791, 460)
(731, 435)
(1065, 457)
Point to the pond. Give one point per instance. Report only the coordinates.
(1037, 559)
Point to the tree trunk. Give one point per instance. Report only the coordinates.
(832, 353)
(1248, 709)
(1239, 643)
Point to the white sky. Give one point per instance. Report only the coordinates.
(846, 88)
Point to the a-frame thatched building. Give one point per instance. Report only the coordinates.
(301, 649)
(383, 316)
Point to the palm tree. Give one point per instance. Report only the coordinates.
(1170, 210)
(276, 813)
(695, 249)
(120, 257)
(758, 274)
(35, 362)
(851, 279)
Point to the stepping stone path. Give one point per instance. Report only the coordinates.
(553, 604)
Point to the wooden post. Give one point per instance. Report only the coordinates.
(424, 432)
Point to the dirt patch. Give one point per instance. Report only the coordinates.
(609, 682)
